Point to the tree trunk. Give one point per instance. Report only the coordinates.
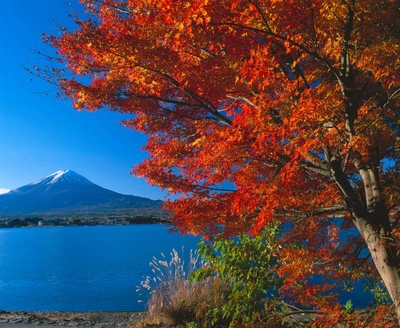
(385, 259)
(376, 231)
(371, 218)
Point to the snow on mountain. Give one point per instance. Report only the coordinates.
(63, 176)
(66, 192)
(4, 191)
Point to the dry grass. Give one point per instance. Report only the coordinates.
(179, 301)
(174, 300)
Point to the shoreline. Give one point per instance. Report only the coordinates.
(134, 319)
(38, 222)
(70, 319)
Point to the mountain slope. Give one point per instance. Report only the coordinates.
(68, 193)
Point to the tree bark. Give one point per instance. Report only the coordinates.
(385, 259)
(371, 218)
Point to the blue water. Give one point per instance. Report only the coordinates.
(80, 268)
(89, 268)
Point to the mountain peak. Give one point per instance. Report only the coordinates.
(57, 175)
(67, 176)
(66, 192)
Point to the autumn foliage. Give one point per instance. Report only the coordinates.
(258, 110)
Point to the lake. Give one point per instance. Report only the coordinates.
(81, 268)
(88, 268)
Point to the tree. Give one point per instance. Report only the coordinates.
(257, 110)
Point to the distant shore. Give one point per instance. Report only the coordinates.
(38, 222)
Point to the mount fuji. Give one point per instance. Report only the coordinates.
(66, 193)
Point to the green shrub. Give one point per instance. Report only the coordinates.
(248, 263)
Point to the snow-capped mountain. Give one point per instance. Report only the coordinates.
(66, 176)
(68, 193)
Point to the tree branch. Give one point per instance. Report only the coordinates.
(313, 54)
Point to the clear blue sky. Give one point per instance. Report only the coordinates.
(40, 134)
